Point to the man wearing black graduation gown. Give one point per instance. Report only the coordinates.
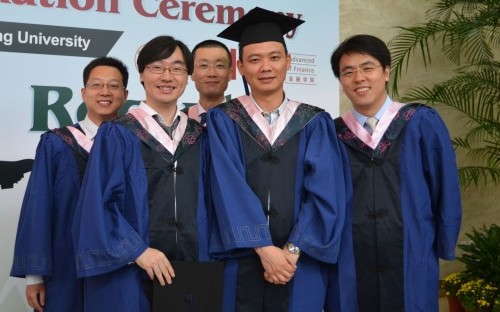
(406, 205)
(142, 200)
(212, 72)
(276, 180)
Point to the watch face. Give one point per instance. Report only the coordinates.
(292, 248)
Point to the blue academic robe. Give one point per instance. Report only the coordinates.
(406, 210)
(341, 294)
(129, 178)
(43, 242)
(311, 175)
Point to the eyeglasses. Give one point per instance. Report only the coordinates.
(206, 67)
(364, 70)
(96, 85)
(174, 71)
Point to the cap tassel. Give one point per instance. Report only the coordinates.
(245, 85)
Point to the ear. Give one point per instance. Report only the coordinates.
(82, 91)
(387, 73)
(241, 70)
(288, 61)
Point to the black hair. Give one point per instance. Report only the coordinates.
(160, 48)
(210, 43)
(106, 61)
(364, 44)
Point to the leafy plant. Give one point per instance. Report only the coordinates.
(478, 295)
(496, 305)
(452, 283)
(478, 286)
(482, 256)
(468, 33)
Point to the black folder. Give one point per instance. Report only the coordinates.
(197, 287)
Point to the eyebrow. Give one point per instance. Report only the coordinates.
(216, 60)
(266, 53)
(361, 65)
(176, 62)
(179, 62)
(100, 79)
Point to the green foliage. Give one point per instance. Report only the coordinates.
(482, 256)
(468, 33)
(477, 295)
(496, 305)
(478, 286)
(452, 283)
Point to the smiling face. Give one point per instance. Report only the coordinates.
(366, 90)
(104, 104)
(163, 90)
(212, 72)
(264, 66)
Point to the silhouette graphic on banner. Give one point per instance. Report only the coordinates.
(13, 171)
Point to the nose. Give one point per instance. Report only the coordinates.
(211, 68)
(105, 89)
(166, 75)
(359, 75)
(266, 64)
(211, 71)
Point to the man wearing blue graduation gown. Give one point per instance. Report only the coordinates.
(142, 200)
(276, 179)
(406, 205)
(44, 249)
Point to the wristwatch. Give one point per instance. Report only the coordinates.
(292, 248)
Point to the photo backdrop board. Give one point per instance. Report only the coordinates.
(45, 44)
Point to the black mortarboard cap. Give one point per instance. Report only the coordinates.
(260, 25)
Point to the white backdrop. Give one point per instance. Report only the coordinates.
(44, 46)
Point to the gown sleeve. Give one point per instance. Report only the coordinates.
(322, 210)
(33, 247)
(239, 212)
(208, 233)
(111, 213)
(442, 176)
